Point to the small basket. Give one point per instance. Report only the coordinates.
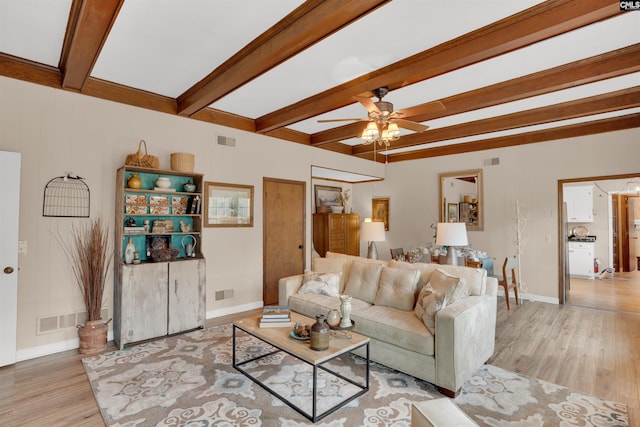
(182, 162)
(141, 159)
(160, 255)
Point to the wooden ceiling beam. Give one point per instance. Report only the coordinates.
(310, 23)
(88, 26)
(601, 67)
(613, 101)
(571, 131)
(540, 22)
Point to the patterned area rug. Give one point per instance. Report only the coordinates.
(188, 380)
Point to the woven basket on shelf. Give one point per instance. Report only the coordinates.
(141, 159)
(182, 162)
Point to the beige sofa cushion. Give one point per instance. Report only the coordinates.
(476, 277)
(363, 281)
(397, 327)
(348, 261)
(397, 288)
(310, 305)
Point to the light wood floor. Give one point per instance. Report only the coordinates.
(593, 351)
(620, 293)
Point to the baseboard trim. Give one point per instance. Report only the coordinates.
(49, 349)
(530, 297)
(233, 310)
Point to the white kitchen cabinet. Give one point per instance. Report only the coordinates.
(581, 255)
(579, 200)
(157, 299)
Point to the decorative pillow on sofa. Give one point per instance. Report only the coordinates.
(397, 288)
(363, 281)
(329, 265)
(429, 303)
(321, 284)
(454, 287)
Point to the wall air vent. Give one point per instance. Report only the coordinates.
(226, 140)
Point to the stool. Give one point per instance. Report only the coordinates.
(439, 412)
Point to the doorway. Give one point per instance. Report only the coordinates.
(613, 228)
(284, 233)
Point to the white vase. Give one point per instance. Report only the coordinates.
(345, 309)
(129, 251)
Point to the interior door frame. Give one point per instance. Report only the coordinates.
(562, 225)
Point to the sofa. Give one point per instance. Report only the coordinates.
(434, 322)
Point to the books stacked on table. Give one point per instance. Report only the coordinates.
(275, 316)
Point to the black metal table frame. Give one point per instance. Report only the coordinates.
(314, 417)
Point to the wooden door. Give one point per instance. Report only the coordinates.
(10, 195)
(283, 235)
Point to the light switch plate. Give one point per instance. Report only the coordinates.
(22, 247)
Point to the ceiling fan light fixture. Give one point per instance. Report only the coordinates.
(393, 130)
(370, 133)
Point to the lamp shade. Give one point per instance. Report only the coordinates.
(372, 231)
(452, 234)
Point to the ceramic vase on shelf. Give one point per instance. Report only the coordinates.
(345, 308)
(319, 334)
(134, 181)
(129, 252)
(163, 182)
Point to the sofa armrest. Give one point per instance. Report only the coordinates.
(288, 286)
(465, 339)
(492, 287)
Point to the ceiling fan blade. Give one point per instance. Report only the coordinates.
(359, 119)
(429, 107)
(368, 104)
(408, 124)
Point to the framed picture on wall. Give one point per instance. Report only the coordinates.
(228, 205)
(452, 212)
(380, 211)
(327, 196)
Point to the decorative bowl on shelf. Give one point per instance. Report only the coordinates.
(189, 187)
(163, 182)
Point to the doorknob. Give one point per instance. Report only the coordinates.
(300, 246)
(8, 270)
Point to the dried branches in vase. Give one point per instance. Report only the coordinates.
(90, 258)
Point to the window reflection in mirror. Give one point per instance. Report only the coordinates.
(461, 198)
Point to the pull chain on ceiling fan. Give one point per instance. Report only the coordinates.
(384, 123)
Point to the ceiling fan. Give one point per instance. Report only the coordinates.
(383, 121)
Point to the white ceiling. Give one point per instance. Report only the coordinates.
(167, 46)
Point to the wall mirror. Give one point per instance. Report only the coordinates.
(462, 190)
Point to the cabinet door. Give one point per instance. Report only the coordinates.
(579, 203)
(144, 302)
(581, 259)
(186, 295)
(352, 234)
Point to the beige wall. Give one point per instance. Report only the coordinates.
(59, 131)
(528, 174)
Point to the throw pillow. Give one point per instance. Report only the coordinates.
(330, 265)
(428, 304)
(397, 288)
(454, 287)
(321, 284)
(363, 281)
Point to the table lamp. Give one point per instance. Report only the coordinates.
(372, 232)
(452, 234)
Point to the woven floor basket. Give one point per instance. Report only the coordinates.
(182, 162)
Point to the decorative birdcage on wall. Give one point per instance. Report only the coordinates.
(66, 196)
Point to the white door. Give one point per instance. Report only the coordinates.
(10, 196)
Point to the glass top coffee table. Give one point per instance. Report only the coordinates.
(290, 360)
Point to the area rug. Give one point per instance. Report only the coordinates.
(188, 380)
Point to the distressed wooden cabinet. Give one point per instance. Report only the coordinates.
(157, 298)
(336, 232)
